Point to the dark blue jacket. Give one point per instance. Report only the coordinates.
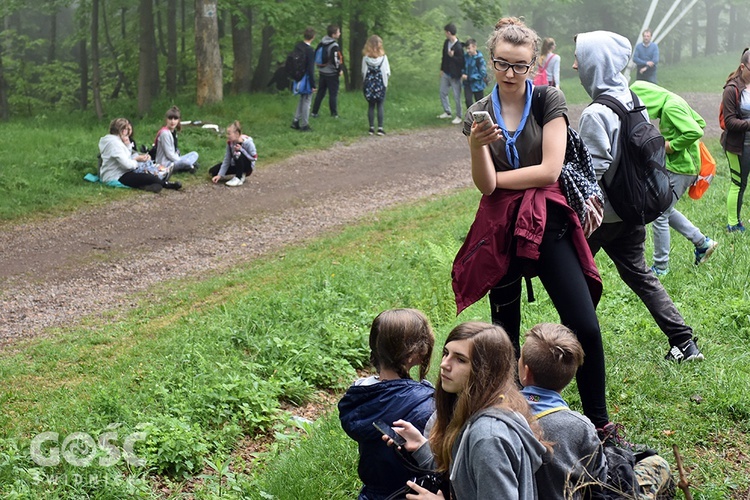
(380, 469)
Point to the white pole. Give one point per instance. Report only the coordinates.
(666, 17)
(674, 23)
(646, 21)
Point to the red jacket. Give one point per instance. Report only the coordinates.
(507, 218)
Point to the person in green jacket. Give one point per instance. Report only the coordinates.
(682, 129)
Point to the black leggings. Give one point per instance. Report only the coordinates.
(560, 272)
(139, 180)
(238, 167)
(371, 112)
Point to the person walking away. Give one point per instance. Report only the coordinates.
(305, 87)
(239, 159)
(735, 139)
(475, 73)
(167, 150)
(551, 61)
(682, 129)
(375, 60)
(330, 68)
(646, 58)
(451, 71)
(400, 339)
(600, 57)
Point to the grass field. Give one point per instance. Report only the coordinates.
(184, 379)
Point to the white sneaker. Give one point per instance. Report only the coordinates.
(456, 121)
(444, 115)
(237, 181)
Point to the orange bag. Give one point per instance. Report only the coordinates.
(705, 176)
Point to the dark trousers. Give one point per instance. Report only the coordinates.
(560, 272)
(327, 83)
(139, 180)
(371, 105)
(471, 97)
(625, 244)
(237, 167)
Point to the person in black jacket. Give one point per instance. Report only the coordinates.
(305, 87)
(451, 71)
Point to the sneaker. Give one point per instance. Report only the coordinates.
(456, 121)
(736, 228)
(295, 125)
(381, 131)
(659, 272)
(687, 351)
(372, 131)
(306, 128)
(153, 188)
(237, 181)
(314, 115)
(173, 185)
(444, 115)
(704, 251)
(613, 434)
(334, 116)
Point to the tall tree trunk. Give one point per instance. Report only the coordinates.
(183, 30)
(172, 47)
(713, 10)
(263, 70)
(148, 66)
(122, 80)
(95, 76)
(207, 55)
(4, 111)
(357, 39)
(52, 52)
(83, 65)
(735, 31)
(242, 48)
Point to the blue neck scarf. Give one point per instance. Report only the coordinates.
(540, 399)
(510, 142)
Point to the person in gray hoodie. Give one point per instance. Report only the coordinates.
(482, 434)
(330, 70)
(600, 57)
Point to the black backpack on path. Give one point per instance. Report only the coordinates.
(640, 189)
(295, 64)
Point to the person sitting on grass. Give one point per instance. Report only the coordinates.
(239, 159)
(399, 340)
(118, 165)
(579, 466)
(167, 151)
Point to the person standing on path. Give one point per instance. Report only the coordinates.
(735, 138)
(306, 86)
(475, 73)
(646, 58)
(330, 61)
(375, 60)
(600, 57)
(451, 71)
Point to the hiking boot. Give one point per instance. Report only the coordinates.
(381, 131)
(659, 272)
(173, 185)
(153, 188)
(687, 351)
(444, 115)
(704, 251)
(736, 228)
(295, 125)
(237, 181)
(372, 131)
(613, 434)
(456, 121)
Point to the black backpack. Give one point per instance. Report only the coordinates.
(640, 189)
(295, 64)
(373, 86)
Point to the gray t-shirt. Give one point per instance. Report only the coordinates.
(529, 143)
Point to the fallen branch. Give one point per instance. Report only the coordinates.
(683, 483)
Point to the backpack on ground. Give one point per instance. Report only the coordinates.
(722, 123)
(323, 54)
(640, 189)
(295, 64)
(541, 77)
(577, 178)
(706, 174)
(373, 86)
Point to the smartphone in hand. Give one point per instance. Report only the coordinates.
(387, 430)
(482, 118)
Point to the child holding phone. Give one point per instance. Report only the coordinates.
(400, 339)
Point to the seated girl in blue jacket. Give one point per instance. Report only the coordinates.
(400, 339)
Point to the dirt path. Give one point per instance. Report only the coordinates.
(53, 273)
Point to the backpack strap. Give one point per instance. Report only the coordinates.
(619, 108)
(538, 102)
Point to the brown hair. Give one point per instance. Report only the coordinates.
(492, 382)
(553, 354)
(547, 45)
(398, 336)
(308, 34)
(514, 31)
(744, 59)
(174, 112)
(236, 126)
(373, 47)
(118, 125)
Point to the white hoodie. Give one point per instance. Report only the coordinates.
(116, 158)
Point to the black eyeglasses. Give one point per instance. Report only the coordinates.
(519, 69)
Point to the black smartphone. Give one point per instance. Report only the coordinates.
(388, 431)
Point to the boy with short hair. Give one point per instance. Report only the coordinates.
(475, 73)
(550, 358)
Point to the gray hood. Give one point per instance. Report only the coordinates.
(602, 55)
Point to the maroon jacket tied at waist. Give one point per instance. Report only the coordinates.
(507, 218)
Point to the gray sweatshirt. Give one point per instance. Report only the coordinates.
(116, 158)
(602, 55)
(495, 456)
(166, 153)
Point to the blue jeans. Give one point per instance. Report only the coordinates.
(674, 219)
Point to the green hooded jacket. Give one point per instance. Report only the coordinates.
(678, 123)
